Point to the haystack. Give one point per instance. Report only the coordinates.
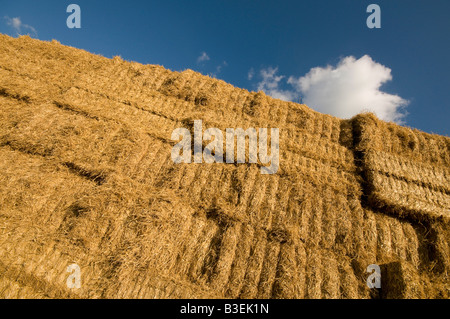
(86, 177)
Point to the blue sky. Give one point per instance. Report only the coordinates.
(401, 71)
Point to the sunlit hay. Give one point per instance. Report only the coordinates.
(406, 170)
(87, 178)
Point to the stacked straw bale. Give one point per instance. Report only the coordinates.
(86, 177)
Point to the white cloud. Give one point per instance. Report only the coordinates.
(270, 85)
(218, 69)
(353, 86)
(349, 88)
(251, 74)
(203, 57)
(18, 26)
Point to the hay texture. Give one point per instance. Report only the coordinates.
(86, 177)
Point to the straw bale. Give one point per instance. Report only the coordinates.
(400, 281)
(87, 178)
(408, 198)
(314, 274)
(406, 170)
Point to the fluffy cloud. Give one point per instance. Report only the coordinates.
(203, 57)
(270, 84)
(18, 26)
(349, 88)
